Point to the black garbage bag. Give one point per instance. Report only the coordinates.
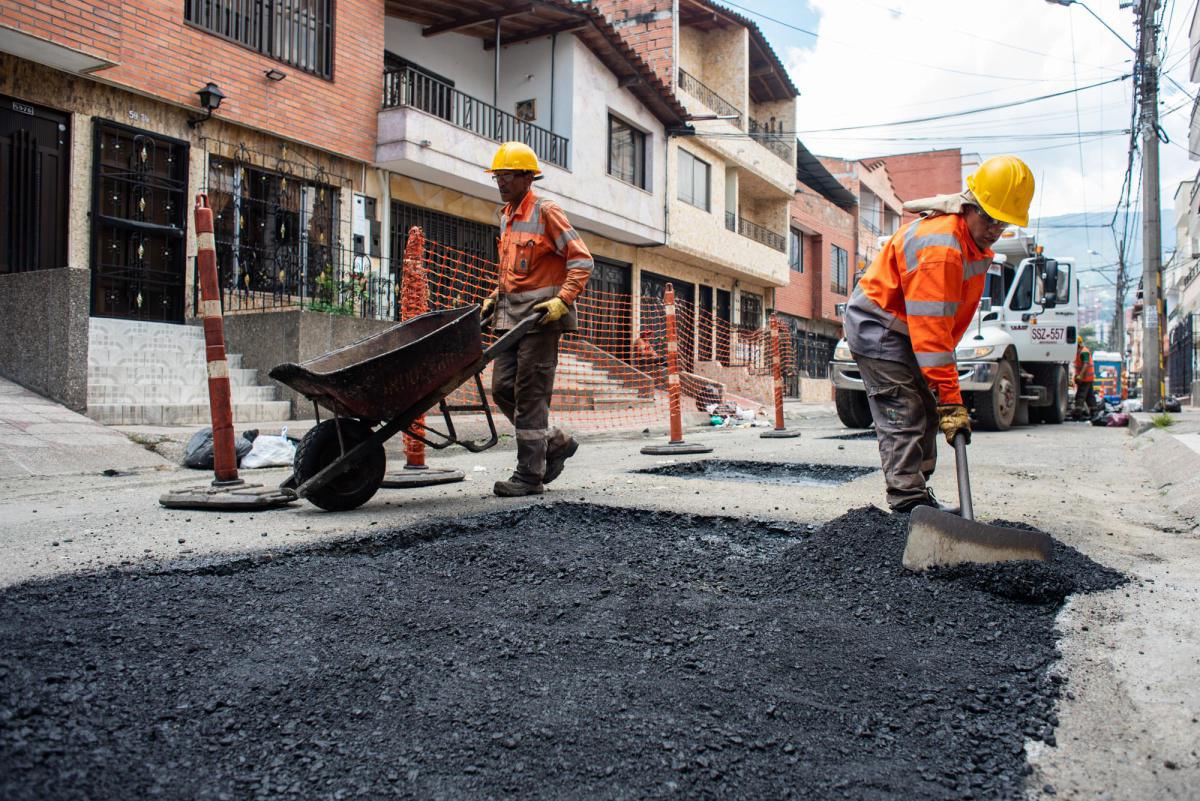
(198, 454)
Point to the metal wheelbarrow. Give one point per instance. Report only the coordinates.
(376, 388)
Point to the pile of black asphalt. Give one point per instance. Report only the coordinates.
(795, 473)
(558, 651)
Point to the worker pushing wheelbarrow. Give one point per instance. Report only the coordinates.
(376, 388)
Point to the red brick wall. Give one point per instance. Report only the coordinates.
(651, 38)
(808, 294)
(158, 54)
(917, 175)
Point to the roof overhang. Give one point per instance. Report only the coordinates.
(769, 79)
(517, 21)
(31, 48)
(813, 174)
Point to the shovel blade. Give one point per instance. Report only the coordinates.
(939, 539)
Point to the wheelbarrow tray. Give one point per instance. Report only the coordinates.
(384, 375)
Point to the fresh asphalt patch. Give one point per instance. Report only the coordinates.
(563, 651)
(799, 474)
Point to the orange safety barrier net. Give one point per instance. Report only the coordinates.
(612, 373)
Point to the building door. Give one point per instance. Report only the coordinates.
(655, 286)
(724, 326)
(139, 224)
(704, 324)
(605, 308)
(34, 173)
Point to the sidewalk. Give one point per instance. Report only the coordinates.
(41, 438)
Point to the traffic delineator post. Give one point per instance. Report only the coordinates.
(227, 492)
(780, 431)
(414, 300)
(676, 445)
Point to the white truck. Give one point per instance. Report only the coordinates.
(1013, 361)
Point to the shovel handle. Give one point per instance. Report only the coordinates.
(964, 478)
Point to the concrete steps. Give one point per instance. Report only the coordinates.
(156, 374)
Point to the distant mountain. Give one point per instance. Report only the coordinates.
(1066, 235)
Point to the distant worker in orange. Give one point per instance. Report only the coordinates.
(911, 307)
(1085, 380)
(544, 266)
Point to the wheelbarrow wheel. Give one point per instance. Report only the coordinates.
(321, 448)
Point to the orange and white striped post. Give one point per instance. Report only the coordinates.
(780, 431)
(219, 396)
(414, 301)
(674, 391)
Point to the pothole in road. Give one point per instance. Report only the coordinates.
(557, 650)
(800, 474)
(855, 435)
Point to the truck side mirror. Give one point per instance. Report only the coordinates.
(1049, 270)
(985, 305)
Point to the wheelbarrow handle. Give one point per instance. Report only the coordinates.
(509, 338)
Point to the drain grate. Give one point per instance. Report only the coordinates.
(791, 473)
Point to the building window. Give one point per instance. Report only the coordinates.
(693, 180)
(296, 32)
(751, 310)
(796, 251)
(274, 232)
(840, 262)
(626, 153)
(139, 223)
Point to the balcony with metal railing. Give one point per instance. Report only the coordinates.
(404, 87)
(771, 137)
(752, 230)
(696, 88)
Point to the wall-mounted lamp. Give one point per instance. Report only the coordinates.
(275, 75)
(210, 100)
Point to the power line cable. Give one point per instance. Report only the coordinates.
(981, 110)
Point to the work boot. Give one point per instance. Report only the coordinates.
(516, 488)
(929, 500)
(556, 459)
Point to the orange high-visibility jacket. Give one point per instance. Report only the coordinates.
(541, 257)
(917, 299)
(1085, 371)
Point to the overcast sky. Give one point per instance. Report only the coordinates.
(878, 61)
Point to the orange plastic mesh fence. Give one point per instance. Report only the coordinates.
(612, 373)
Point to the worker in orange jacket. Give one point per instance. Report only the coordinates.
(910, 309)
(1085, 380)
(544, 266)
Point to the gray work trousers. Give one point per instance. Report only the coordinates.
(522, 384)
(906, 425)
(1085, 397)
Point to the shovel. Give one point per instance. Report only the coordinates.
(940, 539)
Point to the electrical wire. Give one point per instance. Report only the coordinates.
(981, 110)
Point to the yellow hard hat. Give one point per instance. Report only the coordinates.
(1003, 185)
(516, 156)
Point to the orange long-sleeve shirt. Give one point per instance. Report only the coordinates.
(918, 297)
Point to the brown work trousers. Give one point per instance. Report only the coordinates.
(522, 385)
(906, 425)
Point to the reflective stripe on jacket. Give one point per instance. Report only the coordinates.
(917, 299)
(541, 257)
(1085, 371)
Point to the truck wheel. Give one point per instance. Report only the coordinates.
(1056, 412)
(996, 409)
(852, 408)
(320, 448)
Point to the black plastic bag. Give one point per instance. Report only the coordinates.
(198, 454)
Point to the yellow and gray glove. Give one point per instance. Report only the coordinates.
(554, 308)
(488, 304)
(952, 418)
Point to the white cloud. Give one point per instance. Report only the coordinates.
(872, 63)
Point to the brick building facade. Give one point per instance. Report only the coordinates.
(917, 175)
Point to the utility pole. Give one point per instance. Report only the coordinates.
(1118, 335)
(1152, 366)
